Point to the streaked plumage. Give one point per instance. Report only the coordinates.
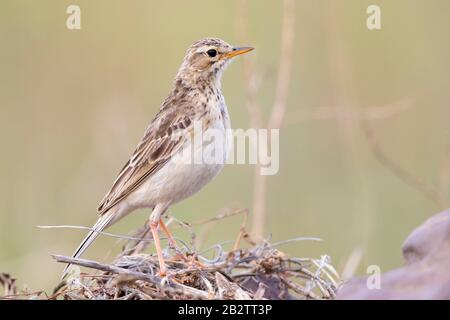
(151, 177)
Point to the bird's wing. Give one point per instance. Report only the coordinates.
(169, 130)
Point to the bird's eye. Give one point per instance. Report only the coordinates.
(212, 53)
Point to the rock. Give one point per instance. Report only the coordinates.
(426, 272)
(427, 238)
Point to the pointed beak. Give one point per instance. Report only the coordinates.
(237, 51)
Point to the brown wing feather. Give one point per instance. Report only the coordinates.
(156, 148)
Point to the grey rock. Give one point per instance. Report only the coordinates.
(426, 273)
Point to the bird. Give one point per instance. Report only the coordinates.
(154, 177)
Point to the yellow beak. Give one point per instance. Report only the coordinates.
(237, 51)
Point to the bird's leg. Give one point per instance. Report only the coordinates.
(172, 243)
(155, 219)
(166, 230)
(162, 264)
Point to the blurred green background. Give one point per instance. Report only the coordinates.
(75, 103)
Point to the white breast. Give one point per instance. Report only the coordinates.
(178, 180)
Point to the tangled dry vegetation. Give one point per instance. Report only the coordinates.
(248, 271)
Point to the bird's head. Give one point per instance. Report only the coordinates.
(206, 60)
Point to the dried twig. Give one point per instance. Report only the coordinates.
(368, 114)
(431, 192)
(8, 283)
(175, 287)
(105, 267)
(279, 106)
(120, 236)
(257, 272)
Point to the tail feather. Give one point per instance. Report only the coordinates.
(102, 223)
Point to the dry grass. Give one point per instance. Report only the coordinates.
(248, 270)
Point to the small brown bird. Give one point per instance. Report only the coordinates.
(153, 177)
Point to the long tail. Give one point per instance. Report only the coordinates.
(102, 223)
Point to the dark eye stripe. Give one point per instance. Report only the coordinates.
(212, 53)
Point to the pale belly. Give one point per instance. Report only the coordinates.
(178, 180)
